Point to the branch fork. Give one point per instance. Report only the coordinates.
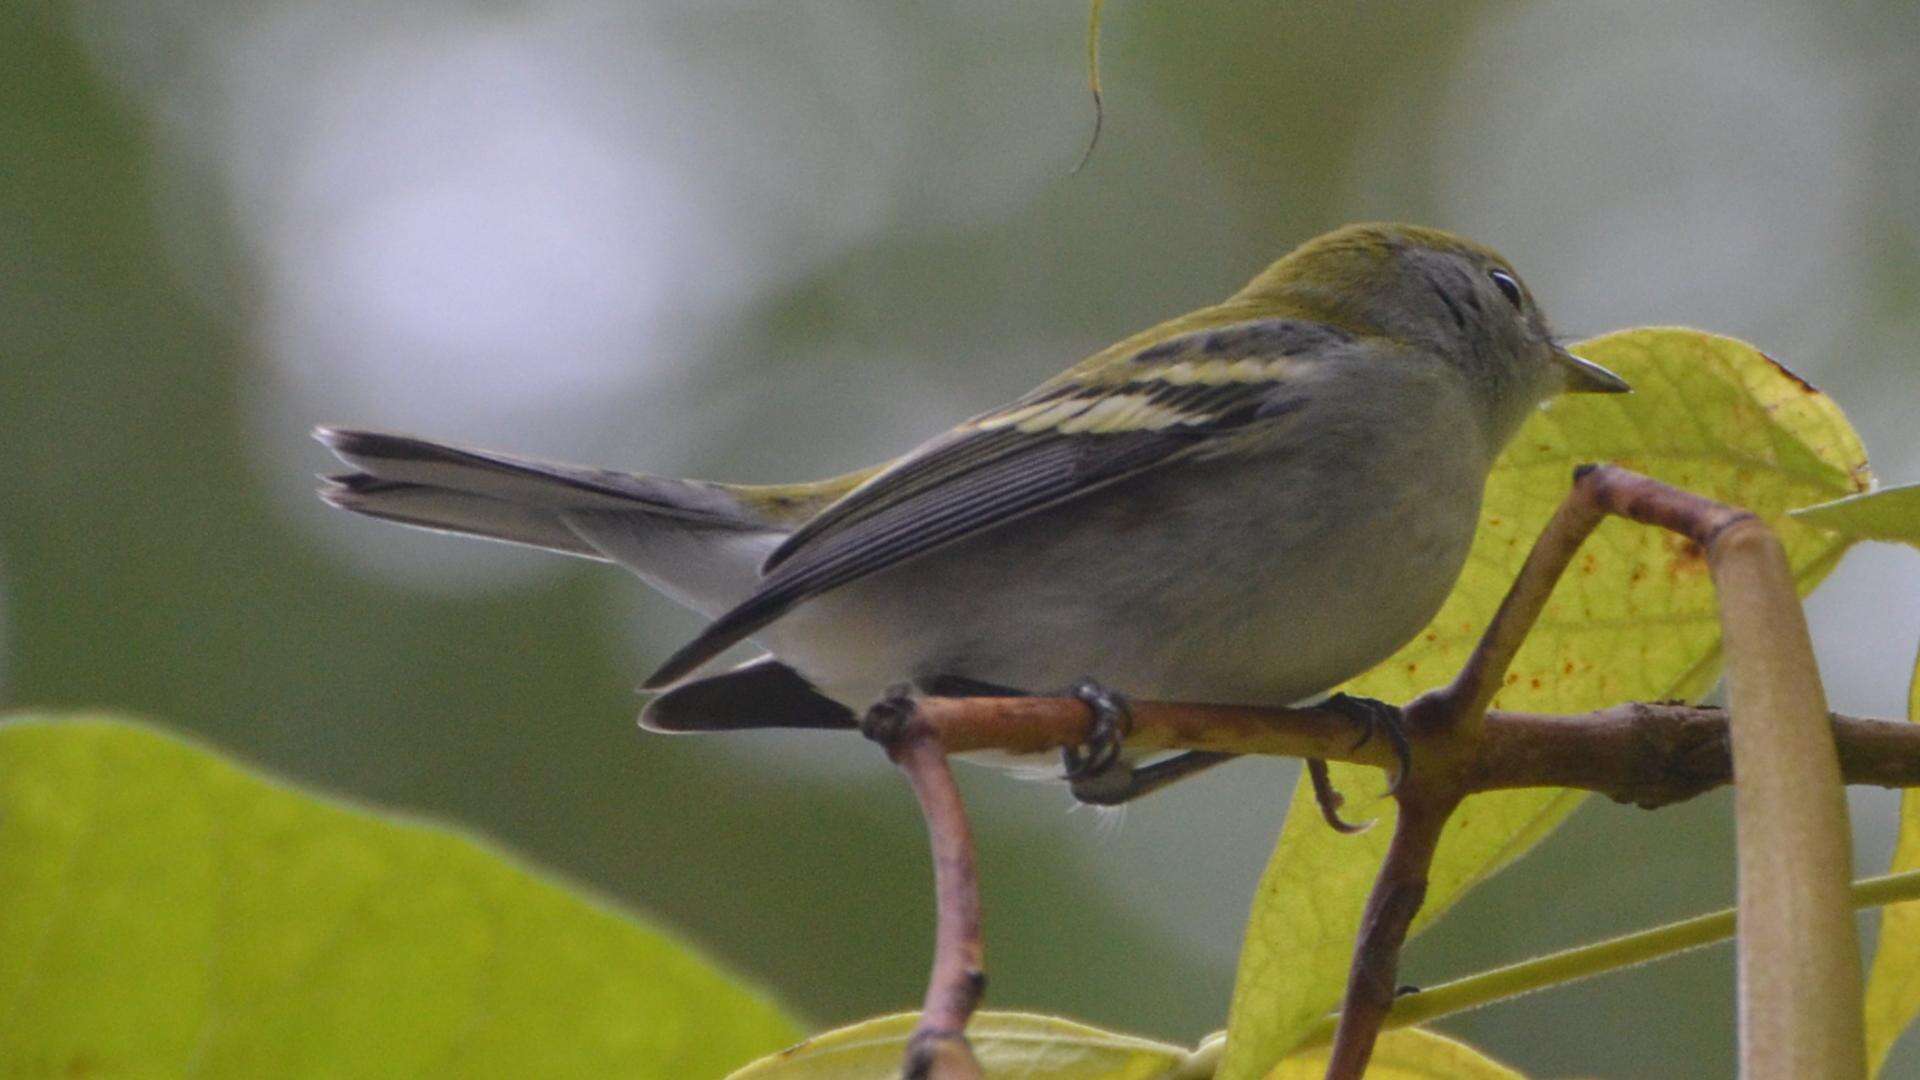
(1799, 962)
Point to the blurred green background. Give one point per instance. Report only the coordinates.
(768, 241)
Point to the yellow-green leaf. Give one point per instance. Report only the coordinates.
(1891, 514)
(1634, 619)
(1893, 985)
(1009, 1046)
(1406, 1054)
(167, 913)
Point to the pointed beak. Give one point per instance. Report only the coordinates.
(1587, 377)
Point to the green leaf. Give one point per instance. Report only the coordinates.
(1634, 619)
(169, 913)
(1406, 1054)
(1891, 514)
(1893, 984)
(1007, 1045)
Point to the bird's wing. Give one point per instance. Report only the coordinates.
(1082, 431)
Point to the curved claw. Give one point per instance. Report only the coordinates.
(1330, 800)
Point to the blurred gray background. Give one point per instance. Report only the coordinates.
(770, 241)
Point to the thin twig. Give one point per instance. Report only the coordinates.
(1033, 725)
(1657, 755)
(938, 1048)
(1589, 961)
(1398, 892)
(1093, 81)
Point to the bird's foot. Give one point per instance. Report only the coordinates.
(1123, 783)
(1373, 715)
(886, 720)
(1111, 721)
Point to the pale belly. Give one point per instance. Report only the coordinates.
(1253, 604)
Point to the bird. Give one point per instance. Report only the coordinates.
(1247, 504)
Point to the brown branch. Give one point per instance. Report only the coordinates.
(937, 1049)
(1398, 892)
(1032, 725)
(1644, 754)
(1657, 755)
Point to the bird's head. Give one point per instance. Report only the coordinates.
(1443, 294)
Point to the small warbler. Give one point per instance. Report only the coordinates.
(1248, 504)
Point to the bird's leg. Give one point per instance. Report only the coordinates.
(1123, 783)
(1373, 715)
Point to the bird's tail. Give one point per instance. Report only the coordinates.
(701, 543)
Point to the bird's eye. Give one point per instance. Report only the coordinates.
(1509, 286)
